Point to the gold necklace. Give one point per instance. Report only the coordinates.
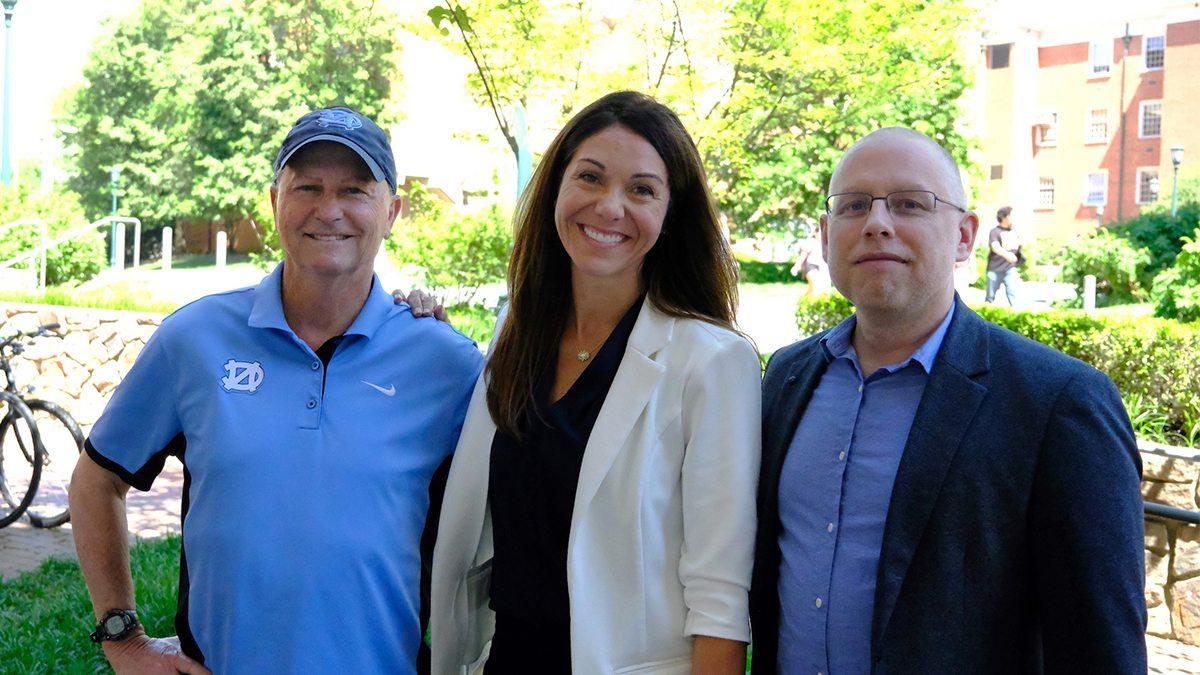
(585, 354)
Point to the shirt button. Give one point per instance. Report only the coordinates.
(316, 365)
(860, 387)
(829, 527)
(818, 603)
(842, 455)
(312, 403)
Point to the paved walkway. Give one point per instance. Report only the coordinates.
(151, 514)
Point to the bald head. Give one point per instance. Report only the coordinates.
(932, 167)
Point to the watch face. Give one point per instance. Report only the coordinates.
(114, 625)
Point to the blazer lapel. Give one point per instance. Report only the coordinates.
(947, 408)
(631, 390)
(781, 415)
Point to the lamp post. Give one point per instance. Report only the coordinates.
(5, 161)
(1176, 160)
(115, 175)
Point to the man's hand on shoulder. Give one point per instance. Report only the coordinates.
(422, 304)
(141, 654)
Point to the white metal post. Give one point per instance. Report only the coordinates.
(166, 249)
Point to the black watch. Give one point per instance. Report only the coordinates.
(115, 625)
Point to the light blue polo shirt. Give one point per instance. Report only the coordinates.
(305, 487)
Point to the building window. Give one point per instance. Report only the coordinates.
(1096, 129)
(997, 171)
(1156, 52)
(1045, 197)
(1147, 185)
(1100, 55)
(1150, 119)
(1048, 130)
(1095, 190)
(998, 56)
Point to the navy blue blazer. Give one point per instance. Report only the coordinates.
(1013, 540)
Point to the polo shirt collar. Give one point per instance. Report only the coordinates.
(837, 344)
(267, 311)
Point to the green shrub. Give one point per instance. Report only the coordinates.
(1176, 292)
(475, 321)
(458, 252)
(758, 272)
(1114, 262)
(1161, 234)
(73, 261)
(821, 312)
(1155, 362)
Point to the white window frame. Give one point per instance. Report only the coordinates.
(1139, 197)
(1146, 51)
(1045, 186)
(1087, 188)
(1087, 126)
(1048, 135)
(1142, 118)
(1100, 58)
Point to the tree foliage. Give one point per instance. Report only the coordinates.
(773, 91)
(192, 98)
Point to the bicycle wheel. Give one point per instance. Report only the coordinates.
(20, 457)
(62, 441)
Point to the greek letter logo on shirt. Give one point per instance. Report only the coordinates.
(339, 118)
(244, 376)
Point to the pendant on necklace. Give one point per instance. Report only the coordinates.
(584, 355)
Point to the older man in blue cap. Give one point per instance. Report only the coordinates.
(310, 413)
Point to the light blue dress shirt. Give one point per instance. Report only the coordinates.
(834, 491)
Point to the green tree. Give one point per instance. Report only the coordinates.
(773, 91)
(192, 98)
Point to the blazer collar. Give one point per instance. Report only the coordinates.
(948, 406)
(635, 382)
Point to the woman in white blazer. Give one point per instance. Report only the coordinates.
(599, 514)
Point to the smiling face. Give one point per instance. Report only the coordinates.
(331, 214)
(901, 268)
(611, 204)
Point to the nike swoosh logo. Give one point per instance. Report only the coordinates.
(390, 391)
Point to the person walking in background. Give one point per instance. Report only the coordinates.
(599, 514)
(811, 266)
(1004, 254)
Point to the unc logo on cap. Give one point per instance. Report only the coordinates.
(339, 118)
(243, 376)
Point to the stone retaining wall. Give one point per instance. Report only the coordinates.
(80, 370)
(1169, 476)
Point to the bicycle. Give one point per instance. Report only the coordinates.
(49, 440)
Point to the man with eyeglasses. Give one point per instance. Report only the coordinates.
(938, 495)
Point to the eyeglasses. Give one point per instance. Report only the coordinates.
(904, 204)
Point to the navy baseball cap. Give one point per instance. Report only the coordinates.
(348, 127)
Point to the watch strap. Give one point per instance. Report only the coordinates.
(103, 633)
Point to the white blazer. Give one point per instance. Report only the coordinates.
(662, 532)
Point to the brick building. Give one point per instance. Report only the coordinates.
(1077, 119)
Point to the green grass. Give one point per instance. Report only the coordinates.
(190, 261)
(46, 616)
(111, 297)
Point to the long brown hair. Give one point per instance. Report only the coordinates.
(689, 272)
